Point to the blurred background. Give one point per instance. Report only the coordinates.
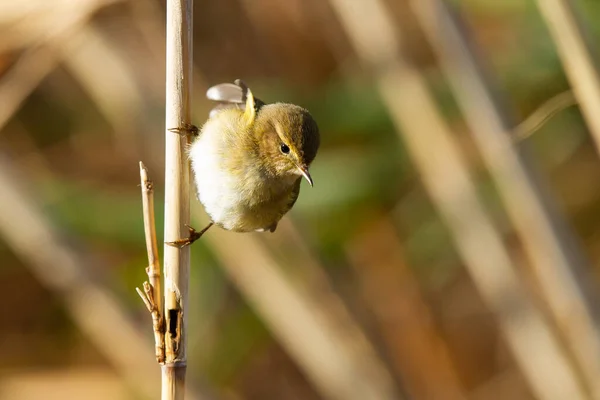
(440, 255)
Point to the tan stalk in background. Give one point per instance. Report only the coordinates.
(415, 344)
(570, 36)
(147, 17)
(445, 175)
(310, 321)
(38, 61)
(558, 265)
(97, 60)
(27, 24)
(177, 194)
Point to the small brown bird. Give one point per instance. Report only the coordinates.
(249, 159)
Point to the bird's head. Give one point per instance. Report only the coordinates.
(287, 139)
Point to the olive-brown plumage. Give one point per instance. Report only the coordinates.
(250, 157)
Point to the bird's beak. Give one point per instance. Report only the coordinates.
(304, 171)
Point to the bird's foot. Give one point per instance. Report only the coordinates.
(194, 235)
(270, 228)
(186, 130)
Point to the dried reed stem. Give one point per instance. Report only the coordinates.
(446, 177)
(177, 191)
(152, 294)
(556, 260)
(570, 35)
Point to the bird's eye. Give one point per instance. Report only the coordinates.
(284, 149)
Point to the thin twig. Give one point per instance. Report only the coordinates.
(149, 304)
(543, 113)
(177, 194)
(152, 294)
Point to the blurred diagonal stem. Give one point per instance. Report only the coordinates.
(445, 174)
(415, 344)
(38, 61)
(558, 264)
(93, 60)
(310, 321)
(59, 266)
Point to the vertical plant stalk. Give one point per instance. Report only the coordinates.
(570, 36)
(177, 188)
(152, 294)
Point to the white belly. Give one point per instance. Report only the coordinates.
(245, 202)
(216, 189)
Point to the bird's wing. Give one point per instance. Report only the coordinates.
(293, 196)
(230, 95)
(227, 93)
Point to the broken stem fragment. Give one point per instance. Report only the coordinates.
(152, 294)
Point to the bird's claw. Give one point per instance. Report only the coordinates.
(193, 236)
(185, 130)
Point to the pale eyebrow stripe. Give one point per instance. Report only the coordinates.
(279, 132)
